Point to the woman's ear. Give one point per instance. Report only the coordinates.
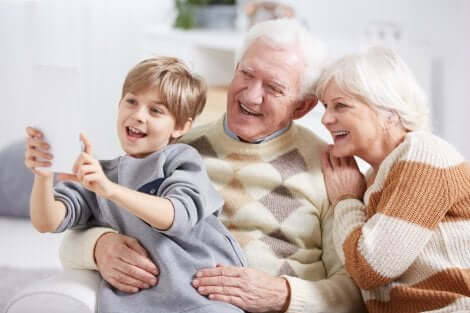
(182, 129)
(305, 105)
(393, 118)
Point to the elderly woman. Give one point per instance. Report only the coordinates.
(403, 232)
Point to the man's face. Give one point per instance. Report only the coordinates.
(265, 91)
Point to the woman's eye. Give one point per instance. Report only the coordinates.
(340, 106)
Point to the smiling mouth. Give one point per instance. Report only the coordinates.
(134, 132)
(339, 134)
(245, 110)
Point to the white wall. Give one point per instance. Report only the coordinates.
(102, 39)
(443, 26)
(105, 38)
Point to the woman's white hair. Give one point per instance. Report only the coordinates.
(286, 33)
(382, 80)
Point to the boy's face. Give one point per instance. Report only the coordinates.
(145, 124)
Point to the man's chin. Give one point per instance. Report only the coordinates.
(247, 137)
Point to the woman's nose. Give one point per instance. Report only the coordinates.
(327, 118)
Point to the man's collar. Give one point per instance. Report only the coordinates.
(231, 134)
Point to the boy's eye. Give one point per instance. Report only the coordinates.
(156, 110)
(131, 101)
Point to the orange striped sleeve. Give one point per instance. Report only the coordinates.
(413, 201)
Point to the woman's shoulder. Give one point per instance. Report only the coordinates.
(425, 147)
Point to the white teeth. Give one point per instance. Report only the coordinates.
(135, 130)
(339, 132)
(248, 110)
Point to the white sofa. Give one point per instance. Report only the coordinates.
(24, 250)
(72, 291)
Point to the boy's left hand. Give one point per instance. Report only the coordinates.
(88, 172)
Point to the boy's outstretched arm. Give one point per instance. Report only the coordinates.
(156, 211)
(46, 212)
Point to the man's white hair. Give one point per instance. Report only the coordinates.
(286, 33)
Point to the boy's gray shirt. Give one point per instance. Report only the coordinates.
(195, 240)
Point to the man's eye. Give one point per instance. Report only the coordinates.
(275, 89)
(246, 73)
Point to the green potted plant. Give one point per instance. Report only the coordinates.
(215, 14)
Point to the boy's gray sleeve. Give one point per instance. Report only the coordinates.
(189, 189)
(78, 202)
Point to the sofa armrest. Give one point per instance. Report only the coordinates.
(72, 291)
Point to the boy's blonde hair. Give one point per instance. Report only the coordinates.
(183, 92)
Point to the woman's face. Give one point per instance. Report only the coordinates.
(356, 128)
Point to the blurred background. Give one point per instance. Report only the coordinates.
(100, 40)
(94, 43)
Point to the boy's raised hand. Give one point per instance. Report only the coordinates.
(37, 153)
(88, 172)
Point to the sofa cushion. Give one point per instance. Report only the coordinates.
(16, 181)
(72, 291)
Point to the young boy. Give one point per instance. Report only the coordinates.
(158, 192)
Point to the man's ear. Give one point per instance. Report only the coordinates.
(182, 129)
(304, 106)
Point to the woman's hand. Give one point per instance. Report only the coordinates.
(246, 288)
(342, 177)
(37, 153)
(88, 172)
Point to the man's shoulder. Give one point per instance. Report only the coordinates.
(197, 132)
(305, 136)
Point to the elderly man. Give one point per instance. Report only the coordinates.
(267, 169)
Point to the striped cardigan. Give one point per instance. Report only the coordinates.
(407, 246)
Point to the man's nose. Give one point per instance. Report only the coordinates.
(254, 93)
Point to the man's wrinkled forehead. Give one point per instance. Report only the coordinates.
(272, 60)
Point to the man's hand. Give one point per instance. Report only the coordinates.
(124, 263)
(249, 289)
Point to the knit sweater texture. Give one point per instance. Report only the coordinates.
(407, 245)
(276, 206)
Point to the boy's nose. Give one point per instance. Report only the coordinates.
(139, 114)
